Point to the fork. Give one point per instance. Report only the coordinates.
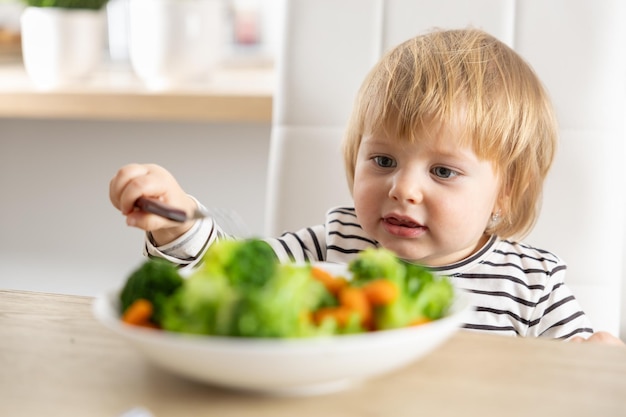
(228, 220)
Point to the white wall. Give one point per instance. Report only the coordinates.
(58, 230)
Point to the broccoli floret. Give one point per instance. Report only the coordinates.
(376, 263)
(201, 306)
(281, 307)
(242, 290)
(422, 294)
(429, 298)
(435, 298)
(246, 263)
(155, 280)
(417, 276)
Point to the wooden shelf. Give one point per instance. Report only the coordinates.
(232, 94)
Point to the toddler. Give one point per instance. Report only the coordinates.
(446, 151)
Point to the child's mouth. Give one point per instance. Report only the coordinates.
(403, 227)
(401, 222)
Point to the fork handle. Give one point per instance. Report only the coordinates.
(161, 209)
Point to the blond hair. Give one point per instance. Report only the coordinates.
(448, 76)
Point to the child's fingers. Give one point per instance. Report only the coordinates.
(135, 180)
(149, 180)
(148, 221)
(120, 182)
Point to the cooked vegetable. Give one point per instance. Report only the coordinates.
(240, 289)
(200, 306)
(339, 316)
(421, 294)
(281, 307)
(332, 283)
(245, 263)
(372, 264)
(354, 299)
(139, 313)
(380, 292)
(155, 280)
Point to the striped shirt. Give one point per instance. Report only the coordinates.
(515, 289)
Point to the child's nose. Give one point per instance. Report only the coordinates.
(406, 188)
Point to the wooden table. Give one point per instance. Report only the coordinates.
(57, 360)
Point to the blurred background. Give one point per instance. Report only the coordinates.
(59, 231)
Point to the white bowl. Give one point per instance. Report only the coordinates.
(283, 366)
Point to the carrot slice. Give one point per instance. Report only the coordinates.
(138, 313)
(354, 299)
(332, 283)
(340, 314)
(380, 292)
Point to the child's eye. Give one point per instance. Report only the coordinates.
(443, 172)
(384, 161)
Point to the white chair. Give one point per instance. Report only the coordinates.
(577, 47)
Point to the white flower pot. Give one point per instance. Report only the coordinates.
(61, 46)
(175, 42)
(117, 30)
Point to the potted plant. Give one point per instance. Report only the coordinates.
(62, 40)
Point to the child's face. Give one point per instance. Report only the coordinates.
(428, 201)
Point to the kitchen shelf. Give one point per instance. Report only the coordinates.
(232, 94)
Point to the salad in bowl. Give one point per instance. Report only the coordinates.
(244, 320)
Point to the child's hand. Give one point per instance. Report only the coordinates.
(136, 180)
(600, 337)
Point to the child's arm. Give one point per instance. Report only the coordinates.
(136, 180)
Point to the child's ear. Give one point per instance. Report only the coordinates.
(502, 206)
